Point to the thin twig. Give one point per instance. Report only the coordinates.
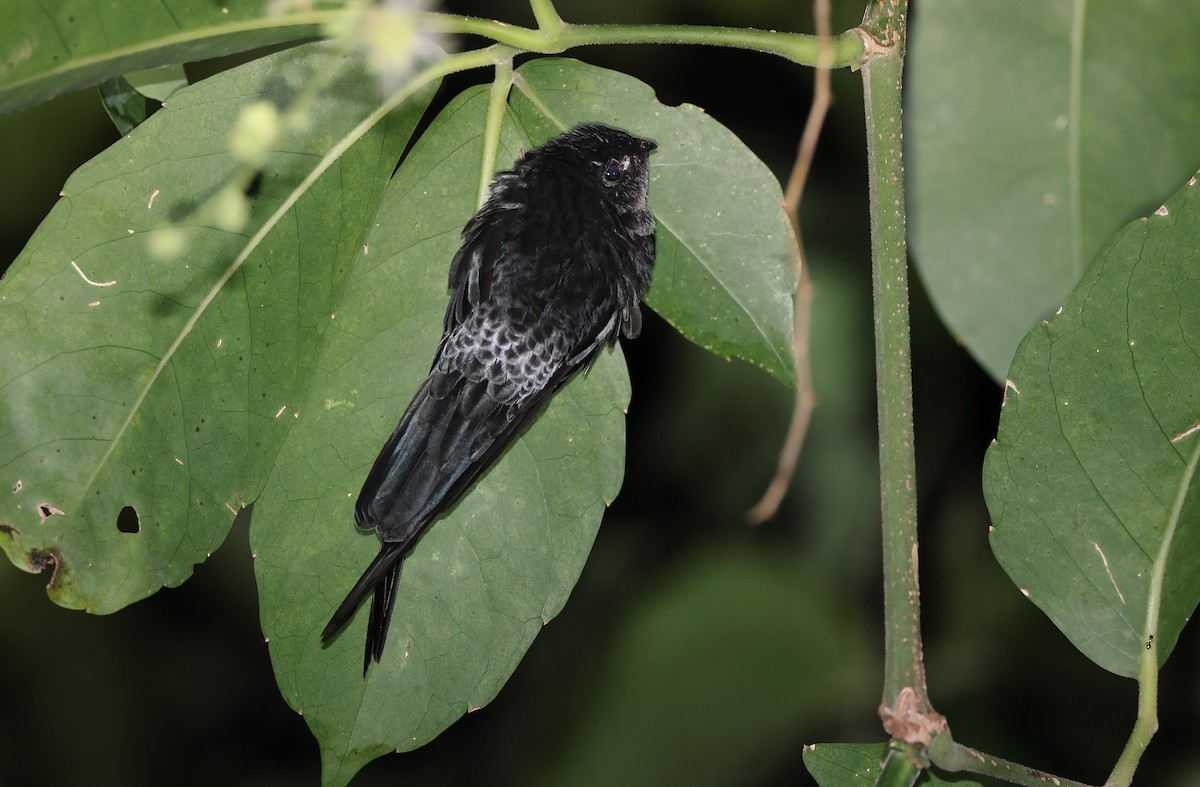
(848, 48)
(806, 399)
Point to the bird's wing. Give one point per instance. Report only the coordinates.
(490, 380)
(484, 237)
(580, 356)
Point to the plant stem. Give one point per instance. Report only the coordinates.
(1147, 719)
(547, 18)
(497, 101)
(550, 38)
(903, 661)
(1147, 715)
(951, 756)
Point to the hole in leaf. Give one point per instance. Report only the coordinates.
(127, 520)
(46, 510)
(40, 558)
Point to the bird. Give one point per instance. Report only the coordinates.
(552, 269)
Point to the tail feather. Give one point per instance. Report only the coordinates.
(451, 432)
(381, 615)
(381, 577)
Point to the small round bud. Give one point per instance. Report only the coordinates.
(389, 35)
(167, 243)
(230, 209)
(254, 133)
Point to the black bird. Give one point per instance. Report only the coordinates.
(552, 269)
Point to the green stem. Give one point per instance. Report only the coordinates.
(903, 659)
(547, 18)
(1147, 715)
(497, 101)
(847, 47)
(951, 756)
(1147, 720)
(902, 765)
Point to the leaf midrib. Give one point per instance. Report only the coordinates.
(1075, 135)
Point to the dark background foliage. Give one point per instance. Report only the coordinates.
(178, 688)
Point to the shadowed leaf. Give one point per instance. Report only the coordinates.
(1036, 130)
(51, 48)
(1090, 481)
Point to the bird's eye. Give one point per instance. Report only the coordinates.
(611, 173)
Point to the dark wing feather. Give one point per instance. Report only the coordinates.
(416, 476)
(520, 418)
(452, 423)
(472, 268)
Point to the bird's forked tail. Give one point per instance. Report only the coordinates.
(381, 577)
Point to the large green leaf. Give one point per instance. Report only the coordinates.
(1090, 481)
(50, 48)
(1036, 130)
(481, 583)
(158, 387)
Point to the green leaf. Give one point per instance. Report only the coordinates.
(1090, 480)
(126, 107)
(158, 83)
(723, 276)
(132, 98)
(151, 395)
(1036, 131)
(160, 396)
(486, 577)
(845, 764)
(47, 49)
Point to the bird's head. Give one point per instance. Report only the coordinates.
(613, 162)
